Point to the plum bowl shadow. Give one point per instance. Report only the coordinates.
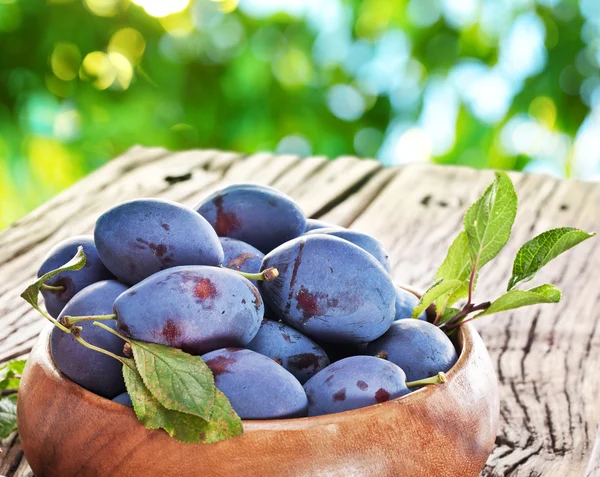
(445, 430)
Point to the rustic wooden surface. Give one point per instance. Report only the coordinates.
(547, 358)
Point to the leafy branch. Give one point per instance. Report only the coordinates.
(487, 227)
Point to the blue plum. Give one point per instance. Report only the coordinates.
(123, 399)
(241, 256)
(295, 352)
(258, 215)
(336, 351)
(421, 349)
(195, 308)
(330, 289)
(92, 370)
(406, 303)
(364, 241)
(352, 383)
(71, 281)
(314, 224)
(256, 386)
(138, 238)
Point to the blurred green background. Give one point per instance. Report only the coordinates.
(512, 84)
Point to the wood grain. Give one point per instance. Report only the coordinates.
(546, 357)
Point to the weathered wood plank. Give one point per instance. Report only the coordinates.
(546, 357)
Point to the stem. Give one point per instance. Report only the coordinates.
(109, 329)
(437, 317)
(440, 378)
(68, 320)
(455, 321)
(52, 288)
(267, 275)
(54, 321)
(8, 392)
(75, 334)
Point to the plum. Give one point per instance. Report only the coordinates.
(364, 241)
(406, 303)
(94, 371)
(352, 383)
(295, 352)
(138, 238)
(256, 214)
(256, 386)
(330, 289)
(421, 349)
(68, 283)
(195, 308)
(314, 224)
(123, 399)
(241, 256)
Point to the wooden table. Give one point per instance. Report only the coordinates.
(547, 357)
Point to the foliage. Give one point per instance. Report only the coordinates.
(492, 85)
(487, 226)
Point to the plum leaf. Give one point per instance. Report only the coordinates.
(488, 222)
(441, 287)
(456, 266)
(518, 298)
(448, 314)
(10, 374)
(30, 294)
(178, 380)
(540, 250)
(184, 427)
(8, 415)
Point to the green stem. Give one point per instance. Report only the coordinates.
(266, 275)
(109, 329)
(95, 348)
(68, 320)
(54, 321)
(438, 379)
(52, 288)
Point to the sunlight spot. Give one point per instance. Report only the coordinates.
(128, 42)
(65, 61)
(413, 146)
(162, 8)
(103, 8)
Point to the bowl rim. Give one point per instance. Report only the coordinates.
(465, 341)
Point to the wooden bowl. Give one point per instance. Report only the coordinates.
(444, 430)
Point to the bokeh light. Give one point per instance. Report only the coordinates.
(483, 83)
(103, 8)
(162, 8)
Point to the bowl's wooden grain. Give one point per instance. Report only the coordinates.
(444, 430)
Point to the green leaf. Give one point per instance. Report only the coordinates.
(518, 298)
(458, 263)
(30, 294)
(8, 371)
(8, 415)
(456, 266)
(179, 381)
(225, 423)
(488, 222)
(536, 253)
(447, 315)
(440, 288)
